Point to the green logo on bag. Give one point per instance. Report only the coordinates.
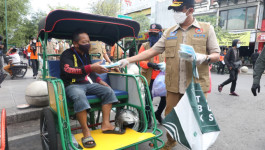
(195, 134)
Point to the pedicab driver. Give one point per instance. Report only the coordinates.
(79, 77)
(179, 70)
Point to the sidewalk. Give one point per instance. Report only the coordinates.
(12, 94)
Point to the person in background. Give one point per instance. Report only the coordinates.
(62, 46)
(12, 52)
(24, 52)
(178, 69)
(233, 63)
(34, 56)
(114, 52)
(221, 63)
(51, 46)
(2, 74)
(254, 57)
(28, 53)
(257, 72)
(150, 69)
(1, 54)
(99, 48)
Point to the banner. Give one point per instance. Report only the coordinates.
(261, 37)
(229, 37)
(143, 36)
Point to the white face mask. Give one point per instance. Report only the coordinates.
(180, 17)
(238, 45)
(34, 41)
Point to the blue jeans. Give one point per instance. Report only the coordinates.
(77, 94)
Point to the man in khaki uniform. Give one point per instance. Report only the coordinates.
(179, 70)
(98, 47)
(51, 46)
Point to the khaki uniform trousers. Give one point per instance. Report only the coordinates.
(172, 101)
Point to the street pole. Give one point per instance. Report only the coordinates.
(6, 25)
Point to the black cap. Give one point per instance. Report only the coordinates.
(180, 3)
(155, 28)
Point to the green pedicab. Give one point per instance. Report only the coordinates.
(131, 90)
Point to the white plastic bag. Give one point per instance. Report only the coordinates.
(159, 86)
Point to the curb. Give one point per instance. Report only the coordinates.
(15, 115)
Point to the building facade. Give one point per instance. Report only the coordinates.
(234, 16)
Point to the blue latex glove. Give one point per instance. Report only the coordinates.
(187, 51)
(112, 65)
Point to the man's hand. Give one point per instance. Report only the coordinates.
(123, 63)
(103, 83)
(98, 69)
(153, 65)
(254, 89)
(186, 56)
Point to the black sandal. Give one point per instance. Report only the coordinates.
(86, 142)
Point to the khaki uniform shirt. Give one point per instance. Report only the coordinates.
(97, 47)
(212, 47)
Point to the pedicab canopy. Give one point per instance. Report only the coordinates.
(61, 24)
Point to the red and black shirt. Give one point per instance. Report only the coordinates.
(76, 68)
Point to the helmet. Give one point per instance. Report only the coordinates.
(127, 118)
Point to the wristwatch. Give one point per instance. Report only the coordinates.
(208, 59)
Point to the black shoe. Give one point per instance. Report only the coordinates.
(158, 117)
(220, 88)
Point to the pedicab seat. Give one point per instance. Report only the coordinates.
(19, 65)
(54, 71)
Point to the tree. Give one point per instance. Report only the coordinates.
(220, 33)
(63, 7)
(16, 11)
(27, 28)
(106, 8)
(143, 20)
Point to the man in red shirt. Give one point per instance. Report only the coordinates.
(150, 69)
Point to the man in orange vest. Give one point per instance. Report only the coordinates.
(33, 49)
(116, 52)
(150, 69)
